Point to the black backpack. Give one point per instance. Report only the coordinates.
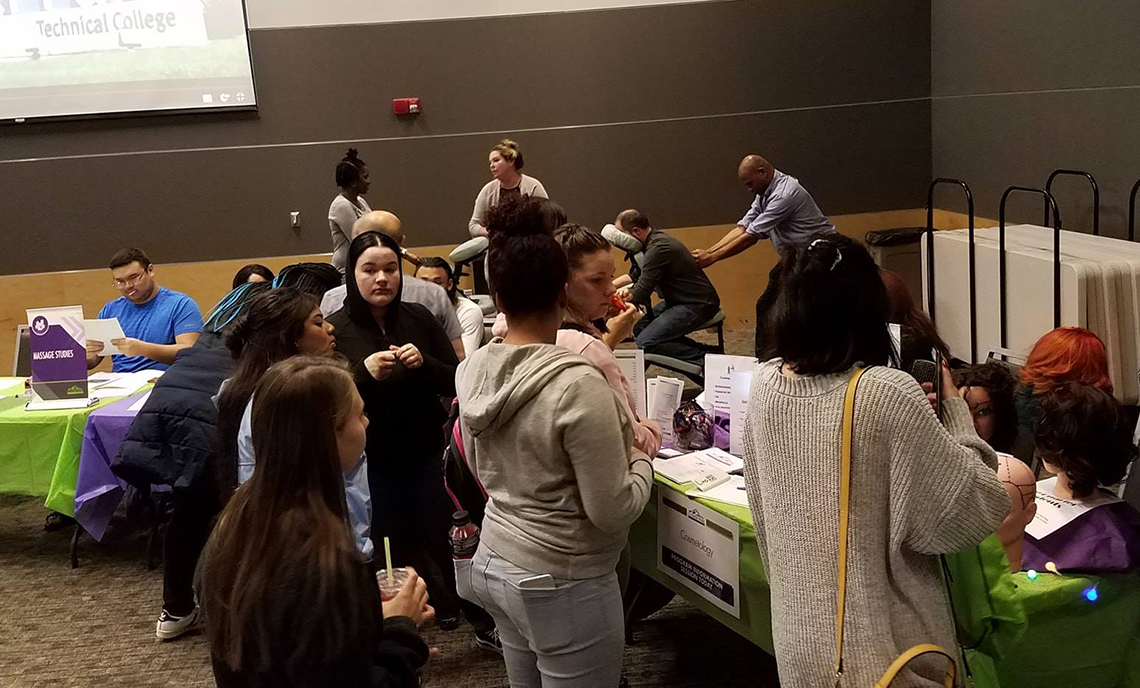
(462, 485)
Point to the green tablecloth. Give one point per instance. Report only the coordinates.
(1070, 642)
(39, 450)
(755, 622)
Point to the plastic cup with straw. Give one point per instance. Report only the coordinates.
(390, 579)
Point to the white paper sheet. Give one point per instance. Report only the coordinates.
(121, 384)
(104, 331)
(896, 338)
(732, 492)
(1053, 513)
(632, 364)
(738, 409)
(664, 400)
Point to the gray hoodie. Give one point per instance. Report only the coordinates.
(547, 436)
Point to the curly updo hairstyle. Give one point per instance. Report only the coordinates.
(526, 267)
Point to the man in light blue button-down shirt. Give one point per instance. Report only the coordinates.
(782, 211)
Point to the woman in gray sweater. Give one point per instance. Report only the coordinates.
(919, 488)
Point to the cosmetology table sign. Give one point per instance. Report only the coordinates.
(699, 548)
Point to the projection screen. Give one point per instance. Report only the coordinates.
(61, 58)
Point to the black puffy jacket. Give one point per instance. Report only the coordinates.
(174, 439)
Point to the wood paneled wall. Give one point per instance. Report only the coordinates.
(739, 280)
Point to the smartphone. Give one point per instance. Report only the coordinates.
(924, 371)
(930, 372)
(543, 582)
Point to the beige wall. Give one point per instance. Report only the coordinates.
(739, 280)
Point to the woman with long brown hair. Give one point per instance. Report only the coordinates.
(274, 325)
(919, 337)
(289, 599)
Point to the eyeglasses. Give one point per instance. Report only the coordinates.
(132, 279)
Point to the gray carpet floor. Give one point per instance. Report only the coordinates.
(94, 626)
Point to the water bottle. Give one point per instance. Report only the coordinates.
(464, 536)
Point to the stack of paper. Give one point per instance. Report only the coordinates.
(1100, 291)
(121, 384)
(694, 468)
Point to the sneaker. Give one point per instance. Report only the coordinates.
(57, 521)
(489, 640)
(448, 623)
(170, 626)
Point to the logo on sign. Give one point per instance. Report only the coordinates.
(695, 515)
(40, 325)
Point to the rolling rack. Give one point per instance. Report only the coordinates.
(930, 257)
(1050, 204)
(1095, 193)
(1132, 211)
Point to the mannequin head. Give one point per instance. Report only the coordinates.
(1021, 485)
(988, 389)
(1084, 438)
(1066, 354)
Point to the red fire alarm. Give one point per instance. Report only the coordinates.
(406, 106)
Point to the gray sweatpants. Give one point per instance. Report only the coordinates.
(570, 634)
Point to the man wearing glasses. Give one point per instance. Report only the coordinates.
(158, 322)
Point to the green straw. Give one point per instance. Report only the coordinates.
(388, 559)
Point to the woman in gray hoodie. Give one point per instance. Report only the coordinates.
(549, 440)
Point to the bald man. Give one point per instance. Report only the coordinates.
(782, 211)
(430, 296)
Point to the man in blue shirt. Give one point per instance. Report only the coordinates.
(158, 322)
(782, 211)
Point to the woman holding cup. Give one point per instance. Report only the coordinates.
(283, 542)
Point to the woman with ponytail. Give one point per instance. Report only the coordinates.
(507, 183)
(918, 488)
(349, 205)
(553, 447)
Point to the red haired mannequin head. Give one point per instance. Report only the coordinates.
(1067, 354)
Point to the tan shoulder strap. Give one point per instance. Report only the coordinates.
(844, 501)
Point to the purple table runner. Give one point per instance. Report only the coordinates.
(98, 491)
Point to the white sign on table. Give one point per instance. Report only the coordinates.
(664, 396)
(632, 364)
(738, 409)
(700, 549)
(719, 370)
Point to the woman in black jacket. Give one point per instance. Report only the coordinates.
(290, 601)
(404, 364)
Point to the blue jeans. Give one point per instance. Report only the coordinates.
(569, 634)
(664, 331)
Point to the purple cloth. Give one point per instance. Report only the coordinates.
(1103, 540)
(98, 491)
